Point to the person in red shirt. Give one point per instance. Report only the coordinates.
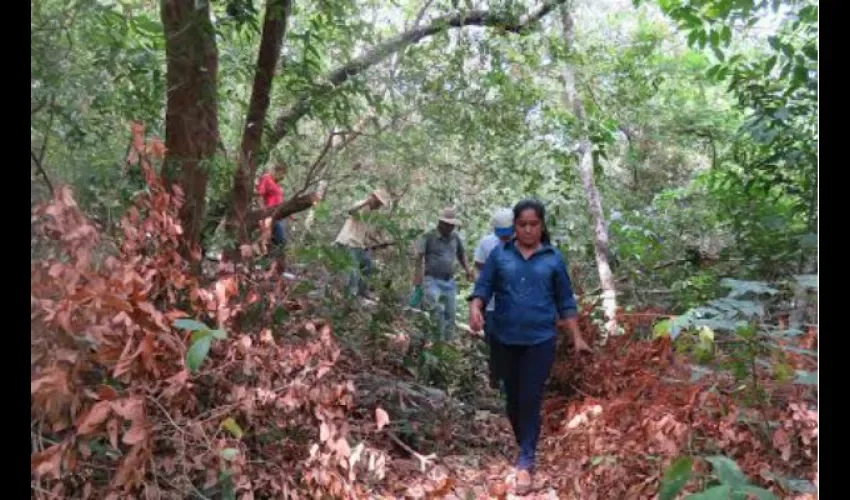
(272, 195)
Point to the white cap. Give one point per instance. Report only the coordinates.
(503, 218)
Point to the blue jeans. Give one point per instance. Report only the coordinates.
(525, 369)
(361, 261)
(279, 233)
(440, 301)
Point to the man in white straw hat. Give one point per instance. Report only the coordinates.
(503, 230)
(434, 269)
(353, 236)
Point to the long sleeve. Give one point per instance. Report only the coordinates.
(480, 252)
(565, 300)
(485, 284)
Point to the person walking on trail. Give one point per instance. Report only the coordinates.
(272, 195)
(534, 300)
(353, 236)
(503, 231)
(437, 250)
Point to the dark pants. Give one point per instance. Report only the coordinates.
(279, 233)
(489, 324)
(525, 370)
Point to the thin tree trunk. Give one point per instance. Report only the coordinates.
(191, 116)
(594, 202)
(274, 29)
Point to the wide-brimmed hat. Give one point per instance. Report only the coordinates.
(449, 217)
(382, 196)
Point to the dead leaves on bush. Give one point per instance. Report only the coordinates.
(112, 397)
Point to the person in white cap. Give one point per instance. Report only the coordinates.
(503, 230)
(438, 249)
(353, 236)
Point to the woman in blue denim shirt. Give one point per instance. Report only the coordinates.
(534, 300)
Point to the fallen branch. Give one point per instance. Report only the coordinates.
(292, 206)
(423, 459)
(378, 246)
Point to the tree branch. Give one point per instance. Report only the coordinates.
(505, 22)
(41, 170)
(421, 14)
(318, 167)
(38, 160)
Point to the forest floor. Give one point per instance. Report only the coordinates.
(133, 394)
(614, 421)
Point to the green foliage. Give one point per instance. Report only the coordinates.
(201, 340)
(675, 477)
(733, 482)
(751, 348)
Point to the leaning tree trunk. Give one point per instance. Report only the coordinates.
(594, 203)
(191, 116)
(274, 29)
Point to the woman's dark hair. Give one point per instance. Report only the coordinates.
(540, 210)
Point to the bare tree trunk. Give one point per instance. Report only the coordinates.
(274, 29)
(191, 117)
(594, 203)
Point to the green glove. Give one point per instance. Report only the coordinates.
(416, 296)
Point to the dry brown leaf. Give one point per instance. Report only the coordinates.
(381, 418)
(131, 408)
(342, 448)
(48, 463)
(94, 418)
(107, 393)
(137, 433)
(125, 362)
(782, 442)
(132, 469)
(112, 430)
(444, 488)
(54, 380)
(175, 314)
(498, 489)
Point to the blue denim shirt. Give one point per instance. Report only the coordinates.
(530, 294)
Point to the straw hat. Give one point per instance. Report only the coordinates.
(382, 196)
(449, 217)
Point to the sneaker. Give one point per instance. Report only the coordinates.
(523, 482)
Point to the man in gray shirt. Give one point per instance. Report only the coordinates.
(438, 250)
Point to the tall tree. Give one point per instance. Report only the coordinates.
(191, 116)
(274, 29)
(584, 158)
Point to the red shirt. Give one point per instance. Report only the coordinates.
(272, 193)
